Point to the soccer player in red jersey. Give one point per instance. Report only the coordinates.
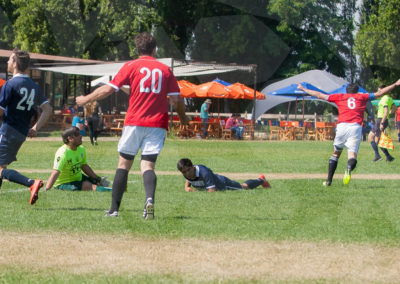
(351, 107)
(146, 120)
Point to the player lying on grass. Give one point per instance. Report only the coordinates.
(202, 178)
(70, 162)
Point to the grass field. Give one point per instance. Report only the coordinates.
(250, 227)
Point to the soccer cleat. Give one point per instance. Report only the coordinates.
(148, 212)
(35, 191)
(265, 183)
(111, 214)
(347, 176)
(389, 159)
(377, 158)
(326, 183)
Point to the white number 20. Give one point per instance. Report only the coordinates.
(26, 100)
(351, 103)
(153, 74)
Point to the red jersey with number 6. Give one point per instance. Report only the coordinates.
(150, 81)
(351, 107)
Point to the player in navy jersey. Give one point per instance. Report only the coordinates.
(146, 120)
(20, 98)
(202, 178)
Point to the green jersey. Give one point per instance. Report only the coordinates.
(386, 100)
(69, 163)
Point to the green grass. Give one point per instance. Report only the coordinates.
(364, 211)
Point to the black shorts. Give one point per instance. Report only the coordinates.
(11, 141)
(377, 130)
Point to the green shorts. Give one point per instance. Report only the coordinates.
(73, 185)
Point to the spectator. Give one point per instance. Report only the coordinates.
(79, 122)
(235, 124)
(204, 112)
(92, 115)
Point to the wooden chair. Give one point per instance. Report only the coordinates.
(274, 131)
(311, 134)
(225, 133)
(184, 131)
(320, 129)
(299, 132)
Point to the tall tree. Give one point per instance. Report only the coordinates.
(98, 29)
(378, 40)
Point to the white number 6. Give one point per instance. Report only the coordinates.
(351, 103)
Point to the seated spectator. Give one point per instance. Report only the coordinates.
(79, 122)
(235, 124)
(67, 175)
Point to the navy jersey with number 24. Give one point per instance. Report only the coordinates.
(19, 98)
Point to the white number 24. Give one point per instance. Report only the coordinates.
(27, 99)
(153, 74)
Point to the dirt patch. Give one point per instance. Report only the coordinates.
(200, 259)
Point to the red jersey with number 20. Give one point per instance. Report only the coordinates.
(351, 106)
(150, 81)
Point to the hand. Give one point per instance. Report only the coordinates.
(81, 100)
(189, 189)
(32, 133)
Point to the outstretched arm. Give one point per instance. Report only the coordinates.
(387, 89)
(98, 94)
(313, 93)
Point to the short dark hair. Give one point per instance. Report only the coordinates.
(145, 43)
(69, 132)
(185, 162)
(22, 59)
(352, 88)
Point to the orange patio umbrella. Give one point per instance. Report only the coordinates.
(245, 92)
(187, 89)
(215, 90)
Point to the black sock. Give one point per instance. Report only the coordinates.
(351, 164)
(333, 161)
(253, 183)
(150, 183)
(1, 182)
(14, 176)
(118, 188)
(375, 148)
(386, 152)
(398, 135)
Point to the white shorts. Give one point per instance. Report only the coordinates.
(149, 139)
(348, 135)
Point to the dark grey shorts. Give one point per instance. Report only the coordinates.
(10, 143)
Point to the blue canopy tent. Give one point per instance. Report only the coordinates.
(292, 91)
(342, 90)
(319, 78)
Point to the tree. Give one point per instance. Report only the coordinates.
(378, 40)
(97, 29)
